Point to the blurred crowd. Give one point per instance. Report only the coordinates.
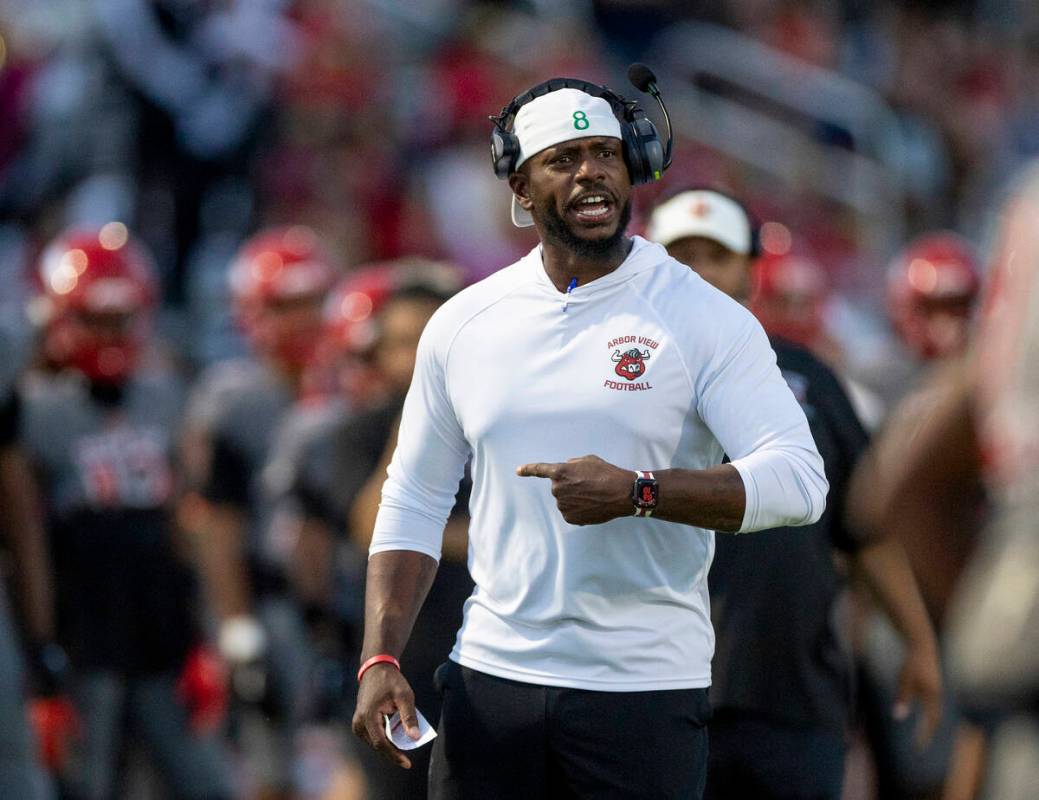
(223, 225)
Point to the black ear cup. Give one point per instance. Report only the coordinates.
(504, 151)
(633, 153)
(647, 150)
(643, 150)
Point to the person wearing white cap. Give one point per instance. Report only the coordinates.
(781, 685)
(711, 232)
(582, 664)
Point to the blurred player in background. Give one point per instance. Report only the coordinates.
(279, 281)
(981, 429)
(334, 470)
(932, 291)
(99, 426)
(790, 294)
(24, 542)
(782, 671)
(436, 626)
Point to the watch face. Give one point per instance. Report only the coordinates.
(645, 492)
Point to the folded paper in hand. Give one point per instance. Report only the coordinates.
(396, 733)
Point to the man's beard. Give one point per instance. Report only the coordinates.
(557, 231)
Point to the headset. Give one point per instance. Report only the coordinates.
(644, 154)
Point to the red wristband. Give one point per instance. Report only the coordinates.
(382, 658)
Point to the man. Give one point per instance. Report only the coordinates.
(782, 674)
(338, 470)
(582, 664)
(278, 281)
(99, 430)
(933, 285)
(24, 541)
(981, 430)
(932, 289)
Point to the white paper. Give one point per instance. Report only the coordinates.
(396, 733)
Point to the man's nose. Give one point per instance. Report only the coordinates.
(590, 168)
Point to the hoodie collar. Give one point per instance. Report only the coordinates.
(643, 255)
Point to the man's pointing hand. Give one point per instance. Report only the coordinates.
(588, 490)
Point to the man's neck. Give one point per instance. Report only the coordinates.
(562, 264)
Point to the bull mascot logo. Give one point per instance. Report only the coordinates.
(630, 364)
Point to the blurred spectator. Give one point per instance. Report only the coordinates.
(200, 76)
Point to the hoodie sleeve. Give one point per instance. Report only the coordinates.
(749, 408)
(422, 479)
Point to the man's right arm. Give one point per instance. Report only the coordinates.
(417, 496)
(397, 585)
(213, 513)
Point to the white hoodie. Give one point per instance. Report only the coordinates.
(648, 367)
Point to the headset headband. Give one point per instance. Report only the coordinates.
(621, 108)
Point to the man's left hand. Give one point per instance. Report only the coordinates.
(921, 681)
(588, 490)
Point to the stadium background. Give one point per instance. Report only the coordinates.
(848, 127)
(853, 124)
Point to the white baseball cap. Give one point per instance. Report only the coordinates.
(556, 117)
(701, 212)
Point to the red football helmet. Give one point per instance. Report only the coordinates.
(353, 306)
(98, 289)
(279, 280)
(932, 286)
(789, 297)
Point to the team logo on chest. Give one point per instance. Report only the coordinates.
(631, 363)
(629, 356)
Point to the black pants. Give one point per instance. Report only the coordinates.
(756, 758)
(502, 739)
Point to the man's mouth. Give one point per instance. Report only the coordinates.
(592, 207)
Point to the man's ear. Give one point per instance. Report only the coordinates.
(520, 185)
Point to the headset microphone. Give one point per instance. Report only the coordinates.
(643, 79)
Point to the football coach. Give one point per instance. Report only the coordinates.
(582, 664)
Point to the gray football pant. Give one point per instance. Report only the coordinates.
(20, 773)
(192, 766)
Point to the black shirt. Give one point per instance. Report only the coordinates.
(9, 409)
(104, 463)
(779, 654)
(335, 469)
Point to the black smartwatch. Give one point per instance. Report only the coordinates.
(644, 494)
